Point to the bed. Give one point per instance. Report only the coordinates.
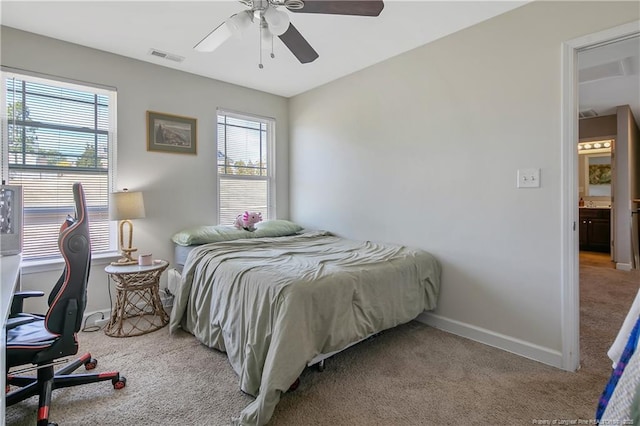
(275, 304)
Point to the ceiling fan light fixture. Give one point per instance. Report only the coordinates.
(238, 23)
(277, 20)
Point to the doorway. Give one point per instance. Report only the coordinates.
(570, 291)
(596, 168)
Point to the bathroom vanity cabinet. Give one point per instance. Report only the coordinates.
(595, 229)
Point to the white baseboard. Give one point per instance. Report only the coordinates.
(497, 340)
(623, 266)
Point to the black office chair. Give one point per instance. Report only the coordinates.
(43, 340)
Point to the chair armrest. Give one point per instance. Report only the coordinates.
(18, 300)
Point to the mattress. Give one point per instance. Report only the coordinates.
(180, 254)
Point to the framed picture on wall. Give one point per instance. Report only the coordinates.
(599, 174)
(171, 133)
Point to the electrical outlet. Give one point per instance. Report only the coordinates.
(528, 178)
(166, 298)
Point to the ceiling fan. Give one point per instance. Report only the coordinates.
(275, 22)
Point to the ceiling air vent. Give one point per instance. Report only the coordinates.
(608, 70)
(588, 113)
(164, 55)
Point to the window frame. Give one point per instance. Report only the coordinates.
(47, 262)
(269, 178)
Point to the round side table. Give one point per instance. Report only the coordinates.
(138, 309)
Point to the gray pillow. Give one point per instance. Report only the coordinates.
(276, 228)
(216, 233)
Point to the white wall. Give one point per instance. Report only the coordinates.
(179, 190)
(423, 150)
(625, 176)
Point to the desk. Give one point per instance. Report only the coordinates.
(10, 281)
(138, 309)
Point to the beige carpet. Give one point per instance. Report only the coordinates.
(412, 375)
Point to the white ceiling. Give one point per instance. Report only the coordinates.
(345, 44)
(609, 76)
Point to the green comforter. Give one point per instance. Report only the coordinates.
(273, 304)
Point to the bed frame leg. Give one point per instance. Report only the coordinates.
(294, 385)
(320, 366)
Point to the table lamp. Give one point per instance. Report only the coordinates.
(124, 206)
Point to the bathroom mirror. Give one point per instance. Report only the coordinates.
(597, 169)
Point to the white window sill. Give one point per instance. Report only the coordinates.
(56, 264)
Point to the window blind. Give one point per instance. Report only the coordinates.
(57, 134)
(245, 171)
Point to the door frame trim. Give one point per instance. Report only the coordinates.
(569, 264)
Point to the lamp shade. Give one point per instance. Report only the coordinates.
(126, 205)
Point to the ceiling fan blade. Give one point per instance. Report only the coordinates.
(214, 39)
(342, 7)
(298, 45)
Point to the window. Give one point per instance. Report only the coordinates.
(54, 134)
(245, 166)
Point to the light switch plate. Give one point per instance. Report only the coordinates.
(528, 178)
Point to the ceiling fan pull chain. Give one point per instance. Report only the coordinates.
(272, 54)
(260, 46)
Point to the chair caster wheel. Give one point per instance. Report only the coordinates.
(91, 364)
(119, 382)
